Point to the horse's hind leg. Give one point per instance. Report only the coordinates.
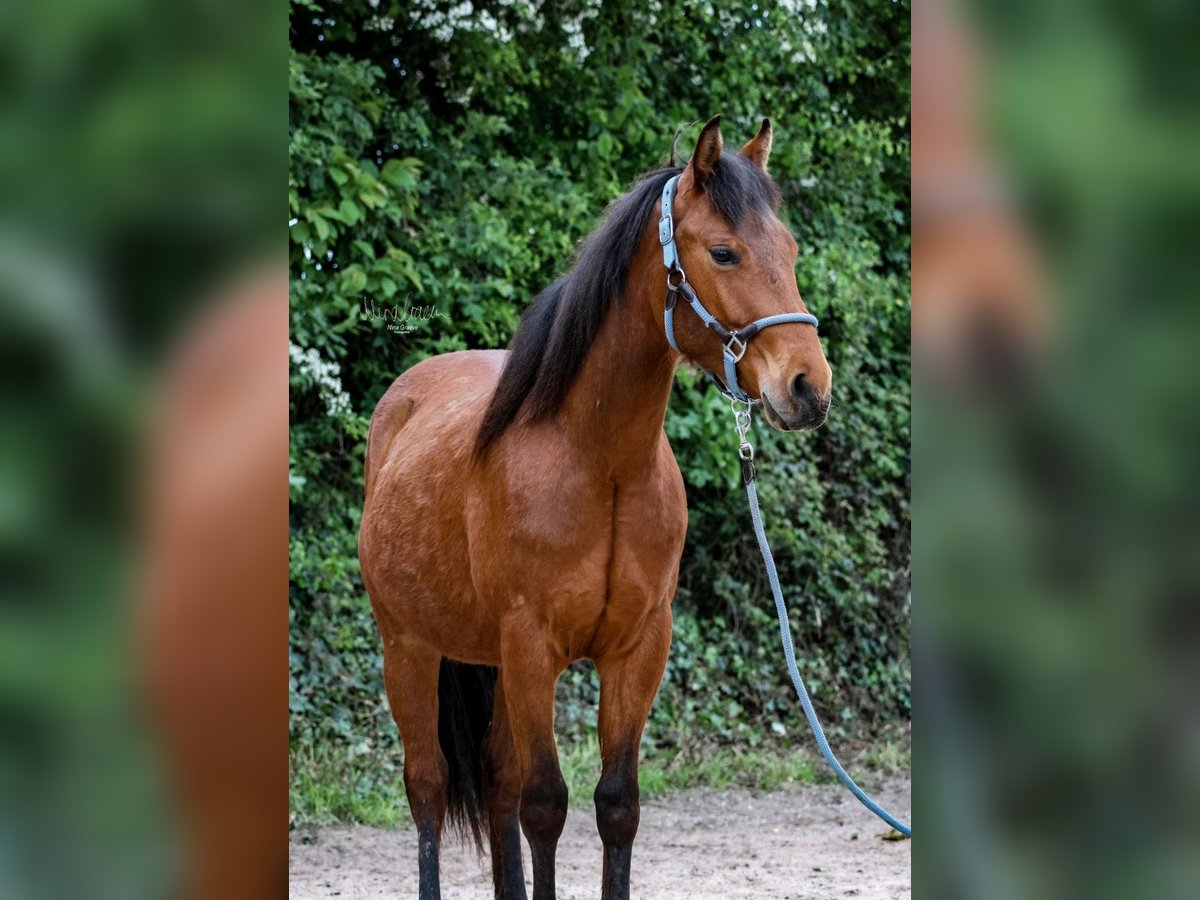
(528, 674)
(628, 683)
(411, 669)
(502, 790)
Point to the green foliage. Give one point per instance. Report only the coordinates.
(450, 156)
(338, 783)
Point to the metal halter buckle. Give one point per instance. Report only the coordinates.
(682, 278)
(666, 230)
(737, 354)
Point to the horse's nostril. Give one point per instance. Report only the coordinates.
(800, 387)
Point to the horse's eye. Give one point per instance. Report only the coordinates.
(723, 256)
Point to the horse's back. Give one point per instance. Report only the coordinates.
(451, 389)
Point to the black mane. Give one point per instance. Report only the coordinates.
(558, 328)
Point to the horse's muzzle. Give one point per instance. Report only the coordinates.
(804, 410)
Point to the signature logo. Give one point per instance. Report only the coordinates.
(400, 318)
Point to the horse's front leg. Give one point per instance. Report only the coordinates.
(628, 683)
(528, 673)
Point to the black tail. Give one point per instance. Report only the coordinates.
(465, 695)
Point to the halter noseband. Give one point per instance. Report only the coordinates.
(734, 342)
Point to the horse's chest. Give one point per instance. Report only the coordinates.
(589, 547)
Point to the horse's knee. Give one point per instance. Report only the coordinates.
(544, 805)
(617, 809)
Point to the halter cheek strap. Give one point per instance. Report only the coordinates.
(734, 342)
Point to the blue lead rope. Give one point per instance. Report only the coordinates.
(789, 653)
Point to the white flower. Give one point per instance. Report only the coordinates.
(324, 375)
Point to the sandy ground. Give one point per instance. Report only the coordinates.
(797, 842)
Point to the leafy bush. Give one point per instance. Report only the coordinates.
(450, 156)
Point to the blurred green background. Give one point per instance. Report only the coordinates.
(141, 166)
(1057, 519)
(451, 156)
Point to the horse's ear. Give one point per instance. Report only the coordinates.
(704, 159)
(758, 148)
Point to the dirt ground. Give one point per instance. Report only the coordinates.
(799, 842)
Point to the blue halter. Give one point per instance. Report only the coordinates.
(734, 342)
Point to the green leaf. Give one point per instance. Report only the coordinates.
(354, 280)
(351, 214)
(399, 173)
(323, 230)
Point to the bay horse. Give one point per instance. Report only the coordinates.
(524, 510)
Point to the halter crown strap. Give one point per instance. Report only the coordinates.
(734, 342)
(666, 227)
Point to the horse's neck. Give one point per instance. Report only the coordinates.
(615, 408)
